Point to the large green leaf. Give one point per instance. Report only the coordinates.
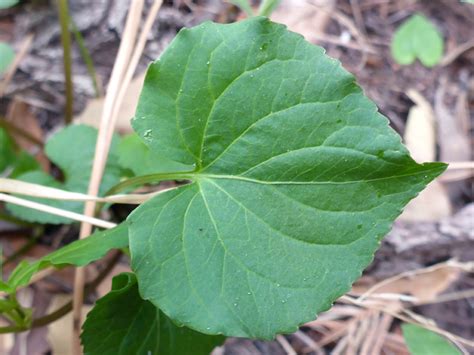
(137, 157)
(297, 179)
(421, 341)
(417, 38)
(78, 253)
(72, 149)
(122, 323)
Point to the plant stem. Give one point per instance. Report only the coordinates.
(86, 56)
(62, 311)
(63, 12)
(145, 179)
(267, 7)
(11, 329)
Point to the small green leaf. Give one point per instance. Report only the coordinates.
(421, 341)
(267, 7)
(135, 155)
(6, 56)
(5, 4)
(122, 323)
(78, 253)
(297, 179)
(417, 38)
(72, 149)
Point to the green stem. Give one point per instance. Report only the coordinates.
(267, 7)
(62, 311)
(12, 329)
(86, 56)
(63, 12)
(147, 179)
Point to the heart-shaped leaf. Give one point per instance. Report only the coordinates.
(6, 56)
(421, 341)
(297, 179)
(122, 323)
(135, 156)
(79, 253)
(417, 38)
(72, 149)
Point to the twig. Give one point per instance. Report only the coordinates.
(101, 152)
(407, 317)
(133, 63)
(285, 345)
(63, 13)
(371, 333)
(86, 56)
(456, 52)
(384, 326)
(447, 297)
(309, 342)
(18, 187)
(336, 40)
(347, 22)
(461, 165)
(56, 211)
(450, 263)
(358, 15)
(24, 48)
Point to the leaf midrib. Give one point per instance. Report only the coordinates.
(195, 176)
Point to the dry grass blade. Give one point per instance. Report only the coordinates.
(285, 345)
(312, 346)
(133, 63)
(361, 333)
(102, 150)
(341, 330)
(382, 332)
(409, 317)
(465, 266)
(24, 48)
(28, 189)
(456, 52)
(371, 333)
(461, 165)
(56, 211)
